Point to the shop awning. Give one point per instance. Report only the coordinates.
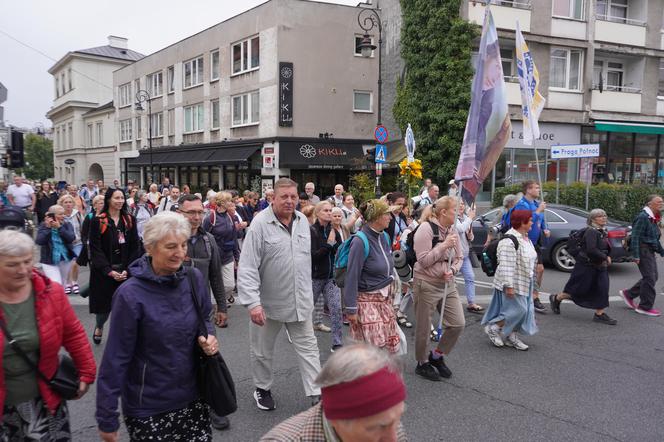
(211, 156)
(232, 155)
(639, 128)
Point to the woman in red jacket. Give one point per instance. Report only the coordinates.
(37, 313)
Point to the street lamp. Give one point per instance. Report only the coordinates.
(143, 96)
(369, 19)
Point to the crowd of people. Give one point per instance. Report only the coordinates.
(287, 257)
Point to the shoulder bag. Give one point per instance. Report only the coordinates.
(65, 381)
(215, 383)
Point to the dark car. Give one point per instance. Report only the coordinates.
(561, 221)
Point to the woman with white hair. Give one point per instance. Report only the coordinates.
(588, 285)
(153, 195)
(39, 321)
(152, 367)
(56, 236)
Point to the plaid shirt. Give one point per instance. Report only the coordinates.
(308, 427)
(645, 231)
(515, 267)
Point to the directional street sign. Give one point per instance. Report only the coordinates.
(380, 134)
(574, 151)
(381, 153)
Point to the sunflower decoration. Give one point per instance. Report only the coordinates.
(411, 173)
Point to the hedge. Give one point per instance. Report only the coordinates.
(620, 201)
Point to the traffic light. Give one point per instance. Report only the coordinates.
(16, 158)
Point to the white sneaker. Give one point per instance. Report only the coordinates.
(322, 328)
(513, 341)
(493, 332)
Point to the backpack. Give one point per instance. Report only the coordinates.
(411, 256)
(574, 242)
(489, 259)
(341, 260)
(103, 222)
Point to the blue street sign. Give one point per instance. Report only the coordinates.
(574, 151)
(381, 153)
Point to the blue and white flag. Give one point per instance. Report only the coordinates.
(532, 101)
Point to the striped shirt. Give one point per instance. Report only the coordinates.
(515, 267)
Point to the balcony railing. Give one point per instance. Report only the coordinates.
(519, 4)
(612, 88)
(623, 20)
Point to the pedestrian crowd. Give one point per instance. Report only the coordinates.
(290, 258)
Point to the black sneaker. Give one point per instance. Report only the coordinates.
(315, 399)
(219, 422)
(539, 307)
(439, 364)
(604, 319)
(264, 399)
(335, 348)
(427, 371)
(555, 304)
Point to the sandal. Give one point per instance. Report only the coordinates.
(75, 289)
(402, 320)
(475, 308)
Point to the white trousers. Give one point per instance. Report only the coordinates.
(58, 273)
(228, 276)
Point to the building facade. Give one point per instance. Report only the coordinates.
(600, 69)
(83, 90)
(279, 90)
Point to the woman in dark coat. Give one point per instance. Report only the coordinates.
(46, 198)
(588, 286)
(114, 244)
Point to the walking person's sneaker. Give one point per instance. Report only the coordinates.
(322, 328)
(513, 341)
(219, 422)
(264, 399)
(67, 289)
(604, 319)
(315, 399)
(624, 294)
(427, 371)
(493, 332)
(555, 304)
(652, 312)
(75, 289)
(439, 364)
(335, 347)
(539, 307)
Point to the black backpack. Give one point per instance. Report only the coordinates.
(489, 259)
(574, 242)
(411, 256)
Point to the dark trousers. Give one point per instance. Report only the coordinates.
(644, 289)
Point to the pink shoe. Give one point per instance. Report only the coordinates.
(629, 301)
(651, 312)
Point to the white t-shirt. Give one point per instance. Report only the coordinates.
(22, 195)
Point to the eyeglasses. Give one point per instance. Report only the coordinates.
(192, 212)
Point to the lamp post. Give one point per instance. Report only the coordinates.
(143, 96)
(369, 19)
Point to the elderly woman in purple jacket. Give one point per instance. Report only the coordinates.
(221, 225)
(150, 357)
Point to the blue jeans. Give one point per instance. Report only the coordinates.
(332, 295)
(468, 279)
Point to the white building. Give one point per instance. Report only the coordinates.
(82, 113)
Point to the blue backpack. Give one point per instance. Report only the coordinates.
(341, 260)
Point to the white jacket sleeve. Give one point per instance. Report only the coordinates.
(248, 274)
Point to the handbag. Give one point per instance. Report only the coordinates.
(215, 383)
(65, 382)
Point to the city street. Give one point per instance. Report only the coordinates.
(580, 381)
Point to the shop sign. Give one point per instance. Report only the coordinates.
(69, 161)
(285, 94)
(317, 155)
(268, 161)
(550, 134)
(574, 151)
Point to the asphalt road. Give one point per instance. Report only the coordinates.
(580, 381)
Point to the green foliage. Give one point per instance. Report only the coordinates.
(620, 201)
(434, 96)
(362, 187)
(38, 157)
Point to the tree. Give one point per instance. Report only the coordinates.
(38, 157)
(434, 95)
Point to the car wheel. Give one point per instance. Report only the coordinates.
(561, 259)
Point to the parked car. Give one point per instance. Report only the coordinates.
(562, 221)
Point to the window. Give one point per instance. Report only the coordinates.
(139, 128)
(100, 134)
(246, 109)
(553, 218)
(193, 118)
(170, 77)
(358, 41)
(124, 95)
(611, 72)
(157, 122)
(214, 112)
(214, 65)
(69, 78)
(507, 60)
(64, 136)
(125, 130)
(612, 10)
(246, 55)
(57, 87)
(155, 83)
(58, 141)
(90, 139)
(566, 69)
(137, 86)
(193, 72)
(362, 101)
(62, 83)
(171, 122)
(568, 8)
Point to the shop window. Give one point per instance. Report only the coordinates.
(620, 158)
(645, 163)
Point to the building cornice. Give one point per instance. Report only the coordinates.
(74, 55)
(70, 105)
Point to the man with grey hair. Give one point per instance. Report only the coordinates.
(274, 282)
(309, 189)
(363, 397)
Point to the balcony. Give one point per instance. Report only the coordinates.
(621, 22)
(505, 13)
(620, 99)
